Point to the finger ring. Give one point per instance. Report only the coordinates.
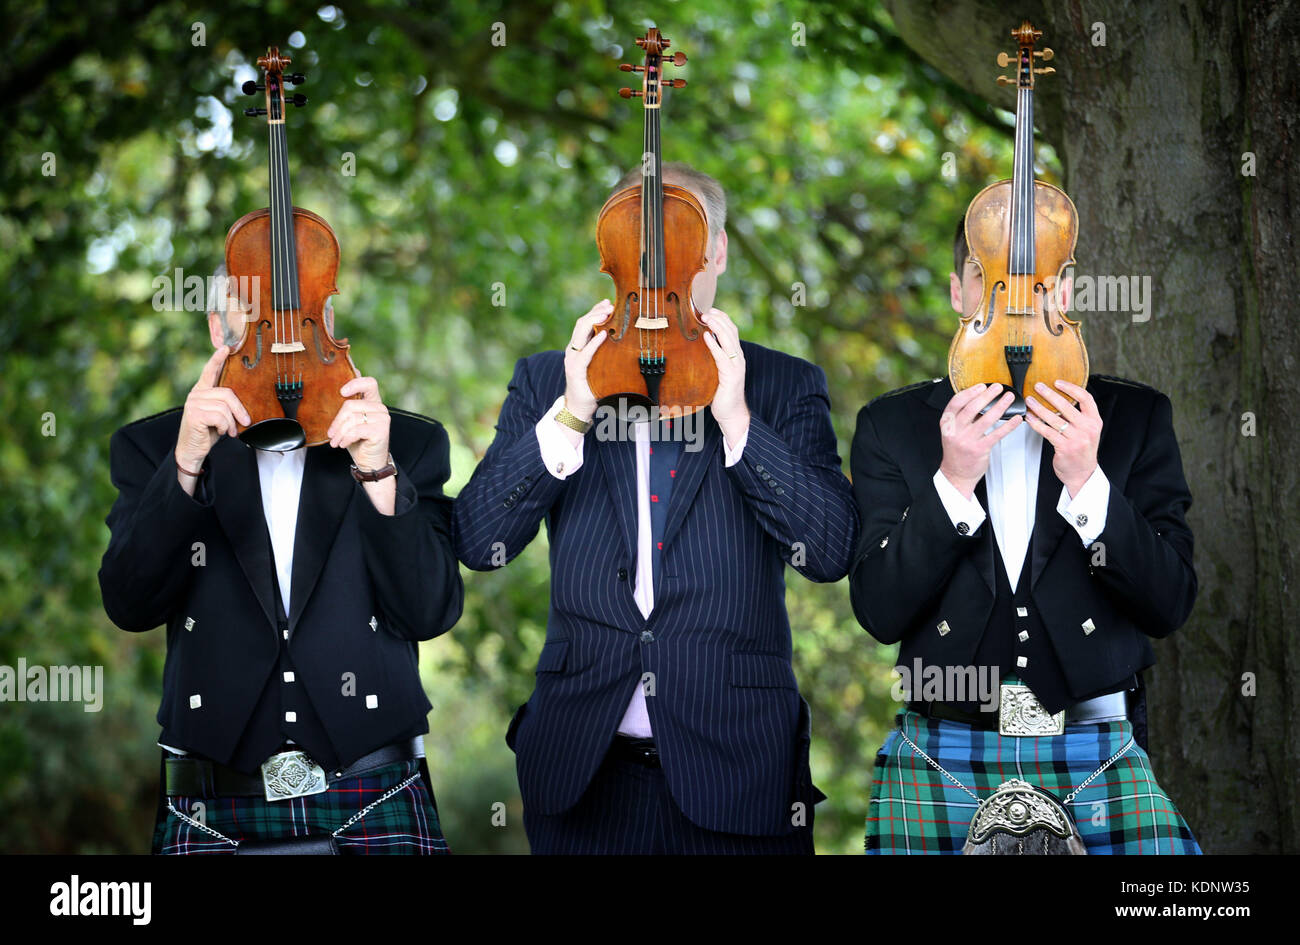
(732, 356)
(574, 348)
(1062, 427)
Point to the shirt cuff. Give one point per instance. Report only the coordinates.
(1086, 512)
(733, 456)
(561, 458)
(967, 514)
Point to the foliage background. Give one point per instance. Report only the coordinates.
(475, 164)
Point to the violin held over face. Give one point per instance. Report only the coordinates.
(653, 240)
(287, 369)
(1021, 234)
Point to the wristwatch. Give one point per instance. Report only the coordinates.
(571, 421)
(374, 475)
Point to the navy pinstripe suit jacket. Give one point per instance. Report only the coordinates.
(729, 723)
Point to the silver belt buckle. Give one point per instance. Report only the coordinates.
(1020, 713)
(292, 774)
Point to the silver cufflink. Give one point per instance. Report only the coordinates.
(189, 623)
(1081, 520)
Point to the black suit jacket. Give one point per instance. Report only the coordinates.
(926, 573)
(731, 728)
(350, 564)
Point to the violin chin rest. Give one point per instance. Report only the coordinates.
(276, 435)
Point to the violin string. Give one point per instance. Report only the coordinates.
(277, 238)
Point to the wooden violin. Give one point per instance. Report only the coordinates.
(287, 368)
(653, 240)
(1021, 234)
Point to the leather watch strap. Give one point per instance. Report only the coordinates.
(374, 475)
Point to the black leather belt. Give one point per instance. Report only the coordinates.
(197, 777)
(642, 751)
(950, 713)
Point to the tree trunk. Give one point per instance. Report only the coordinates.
(1178, 138)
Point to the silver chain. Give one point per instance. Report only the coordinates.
(350, 821)
(1069, 797)
(373, 804)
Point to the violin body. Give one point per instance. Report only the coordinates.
(1021, 234)
(287, 369)
(1017, 309)
(323, 365)
(690, 375)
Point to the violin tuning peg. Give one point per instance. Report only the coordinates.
(676, 59)
(624, 67)
(298, 99)
(254, 112)
(1048, 71)
(673, 83)
(628, 93)
(252, 88)
(1006, 80)
(1004, 60)
(1045, 54)
(296, 79)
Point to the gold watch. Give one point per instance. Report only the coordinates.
(571, 421)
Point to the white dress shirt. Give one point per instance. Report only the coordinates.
(562, 460)
(280, 476)
(1012, 486)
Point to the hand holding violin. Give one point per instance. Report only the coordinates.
(210, 413)
(362, 427)
(729, 407)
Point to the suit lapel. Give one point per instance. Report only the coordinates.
(1049, 527)
(237, 498)
(618, 464)
(327, 489)
(984, 556)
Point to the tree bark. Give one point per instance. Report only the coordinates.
(1155, 131)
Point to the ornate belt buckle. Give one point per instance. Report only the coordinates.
(292, 774)
(1020, 713)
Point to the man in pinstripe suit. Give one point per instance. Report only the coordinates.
(666, 717)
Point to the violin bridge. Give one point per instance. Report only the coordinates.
(645, 321)
(289, 347)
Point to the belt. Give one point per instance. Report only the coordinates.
(1108, 708)
(642, 751)
(284, 775)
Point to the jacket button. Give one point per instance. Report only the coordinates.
(780, 490)
(622, 574)
(647, 636)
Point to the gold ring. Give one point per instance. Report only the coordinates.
(574, 348)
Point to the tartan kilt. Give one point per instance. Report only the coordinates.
(406, 823)
(915, 809)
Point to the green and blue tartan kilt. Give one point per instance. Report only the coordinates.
(915, 809)
(406, 823)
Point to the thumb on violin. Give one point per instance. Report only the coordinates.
(367, 387)
(212, 370)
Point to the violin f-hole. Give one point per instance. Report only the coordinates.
(315, 334)
(690, 334)
(258, 359)
(983, 326)
(632, 299)
(1041, 291)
